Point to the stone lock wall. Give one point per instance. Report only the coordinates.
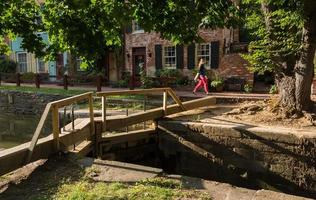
(230, 64)
(242, 155)
(25, 103)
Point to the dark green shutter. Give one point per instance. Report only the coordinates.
(214, 54)
(179, 56)
(129, 28)
(158, 56)
(191, 56)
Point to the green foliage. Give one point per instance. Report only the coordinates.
(28, 76)
(85, 28)
(248, 88)
(217, 81)
(275, 33)
(146, 81)
(166, 72)
(21, 18)
(273, 89)
(183, 80)
(148, 189)
(7, 66)
(55, 91)
(179, 21)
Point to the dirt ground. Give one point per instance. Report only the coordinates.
(249, 112)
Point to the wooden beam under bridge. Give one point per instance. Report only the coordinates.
(153, 114)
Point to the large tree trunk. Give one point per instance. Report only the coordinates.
(304, 76)
(304, 70)
(287, 100)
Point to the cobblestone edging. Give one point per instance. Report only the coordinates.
(25, 103)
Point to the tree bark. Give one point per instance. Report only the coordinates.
(304, 70)
(304, 76)
(287, 100)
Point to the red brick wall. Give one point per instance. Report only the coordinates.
(230, 64)
(235, 65)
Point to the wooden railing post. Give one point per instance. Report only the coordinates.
(103, 113)
(99, 83)
(37, 80)
(91, 114)
(18, 79)
(56, 130)
(66, 82)
(164, 105)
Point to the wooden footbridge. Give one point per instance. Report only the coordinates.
(86, 135)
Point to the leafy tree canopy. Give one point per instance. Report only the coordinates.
(180, 20)
(85, 28)
(21, 18)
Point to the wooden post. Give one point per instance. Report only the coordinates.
(18, 79)
(164, 105)
(91, 114)
(0, 79)
(37, 80)
(56, 130)
(66, 82)
(99, 83)
(176, 99)
(103, 113)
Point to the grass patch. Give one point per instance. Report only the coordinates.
(158, 188)
(54, 91)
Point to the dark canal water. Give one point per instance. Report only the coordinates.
(18, 129)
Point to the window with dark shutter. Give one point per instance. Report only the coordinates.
(128, 28)
(158, 56)
(179, 52)
(191, 56)
(214, 54)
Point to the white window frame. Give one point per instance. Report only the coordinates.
(22, 70)
(207, 56)
(165, 57)
(78, 63)
(38, 60)
(136, 28)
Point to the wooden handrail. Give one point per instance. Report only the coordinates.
(38, 131)
(70, 100)
(164, 91)
(54, 106)
(140, 91)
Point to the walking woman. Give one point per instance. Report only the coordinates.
(201, 76)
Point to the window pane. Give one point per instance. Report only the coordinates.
(22, 62)
(40, 65)
(203, 51)
(170, 56)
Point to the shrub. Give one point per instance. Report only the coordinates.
(217, 82)
(248, 88)
(146, 81)
(28, 76)
(7, 66)
(168, 73)
(183, 81)
(273, 89)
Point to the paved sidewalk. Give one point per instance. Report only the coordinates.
(179, 92)
(184, 94)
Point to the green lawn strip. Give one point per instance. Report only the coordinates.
(53, 91)
(157, 188)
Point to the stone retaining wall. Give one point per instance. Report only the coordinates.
(25, 103)
(254, 157)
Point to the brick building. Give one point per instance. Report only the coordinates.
(152, 53)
